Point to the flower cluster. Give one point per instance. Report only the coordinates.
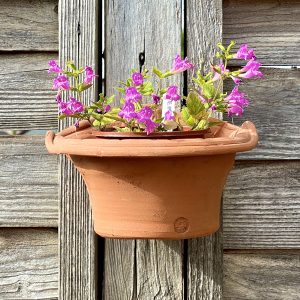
(147, 101)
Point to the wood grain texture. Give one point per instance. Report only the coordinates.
(133, 27)
(262, 276)
(269, 26)
(28, 183)
(29, 25)
(29, 264)
(261, 206)
(26, 96)
(274, 109)
(159, 269)
(78, 23)
(205, 262)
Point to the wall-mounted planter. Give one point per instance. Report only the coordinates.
(154, 188)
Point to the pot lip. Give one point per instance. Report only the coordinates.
(228, 139)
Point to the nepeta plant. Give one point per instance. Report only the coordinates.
(205, 95)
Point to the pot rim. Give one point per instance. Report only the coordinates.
(80, 141)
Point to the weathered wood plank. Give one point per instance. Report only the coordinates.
(262, 276)
(129, 32)
(29, 25)
(78, 21)
(28, 183)
(275, 111)
(29, 264)
(159, 269)
(27, 101)
(261, 207)
(270, 26)
(205, 266)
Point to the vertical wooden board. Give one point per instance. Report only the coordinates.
(205, 266)
(159, 270)
(265, 275)
(153, 28)
(28, 264)
(78, 258)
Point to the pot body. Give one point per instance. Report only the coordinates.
(155, 197)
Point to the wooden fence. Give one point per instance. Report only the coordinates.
(257, 253)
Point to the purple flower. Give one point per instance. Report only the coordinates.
(244, 53)
(76, 106)
(58, 98)
(155, 98)
(145, 113)
(213, 107)
(236, 102)
(128, 111)
(217, 75)
(236, 80)
(150, 125)
(132, 95)
(172, 94)
(54, 67)
(107, 108)
(169, 116)
(89, 75)
(180, 65)
(71, 107)
(61, 82)
(251, 69)
(137, 78)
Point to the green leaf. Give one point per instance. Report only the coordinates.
(146, 89)
(208, 90)
(216, 123)
(121, 90)
(157, 72)
(110, 99)
(61, 117)
(167, 74)
(71, 65)
(194, 104)
(96, 123)
(187, 117)
(203, 124)
(83, 86)
(220, 45)
(231, 45)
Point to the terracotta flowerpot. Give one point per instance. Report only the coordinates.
(154, 188)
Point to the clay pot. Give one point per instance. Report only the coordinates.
(154, 188)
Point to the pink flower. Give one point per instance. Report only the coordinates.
(169, 116)
(145, 113)
(137, 78)
(172, 93)
(89, 75)
(132, 95)
(150, 125)
(71, 107)
(251, 69)
(217, 75)
(61, 82)
(54, 67)
(180, 65)
(213, 107)
(236, 102)
(244, 53)
(155, 98)
(128, 111)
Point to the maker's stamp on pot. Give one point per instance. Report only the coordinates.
(181, 225)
